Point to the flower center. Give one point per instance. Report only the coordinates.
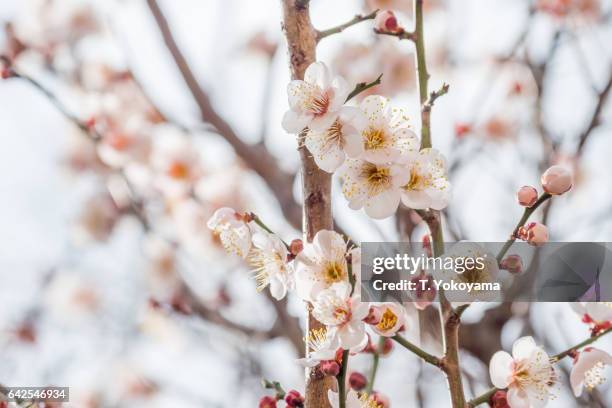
(374, 139)
(333, 272)
(342, 315)
(418, 181)
(119, 141)
(475, 275)
(377, 178)
(264, 264)
(319, 103)
(333, 136)
(594, 376)
(316, 339)
(387, 321)
(178, 170)
(369, 402)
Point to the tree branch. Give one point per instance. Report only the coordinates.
(257, 157)
(338, 29)
(316, 184)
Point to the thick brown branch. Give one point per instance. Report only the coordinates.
(316, 184)
(257, 157)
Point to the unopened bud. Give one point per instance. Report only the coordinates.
(267, 402)
(386, 22)
(374, 315)
(387, 347)
(499, 400)
(462, 129)
(329, 368)
(296, 246)
(426, 242)
(512, 264)
(557, 180)
(294, 399)
(357, 381)
(527, 196)
(535, 234)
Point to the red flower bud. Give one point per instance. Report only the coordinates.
(294, 399)
(357, 381)
(387, 346)
(329, 368)
(512, 263)
(267, 402)
(386, 22)
(296, 246)
(381, 400)
(498, 400)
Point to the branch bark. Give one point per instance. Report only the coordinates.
(316, 184)
(257, 157)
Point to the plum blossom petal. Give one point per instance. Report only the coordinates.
(587, 369)
(500, 369)
(315, 102)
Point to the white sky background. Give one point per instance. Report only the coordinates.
(39, 199)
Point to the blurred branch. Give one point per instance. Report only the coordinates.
(338, 29)
(257, 157)
(595, 121)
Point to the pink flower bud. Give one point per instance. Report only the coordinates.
(387, 346)
(535, 233)
(499, 400)
(294, 399)
(425, 290)
(374, 315)
(512, 263)
(381, 400)
(267, 402)
(527, 196)
(296, 246)
(357, 381)
(462, 129)
(426, 241)
(329, 368)
(386, 22)
(557, 180)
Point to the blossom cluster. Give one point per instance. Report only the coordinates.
(372, 146)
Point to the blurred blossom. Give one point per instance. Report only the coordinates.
(71, 299)
(175, 162)
(162, 276)
(404, 6)
(359, 62)
(261, 43)
(589, 9)
(48, 24)
(97, 219)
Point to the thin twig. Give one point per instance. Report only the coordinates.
(338, 29)
(362, 86)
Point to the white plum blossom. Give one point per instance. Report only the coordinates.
(374, 187)
(353, 400)
(315, 102)
(598, 313)
(343, 315)
(329, 147)
(587, 369)
(268, 257)
(321, 264)
(393, 317)
(428, 185)
(527, 373)
(233, 231)
(387, 135)
(321, 347)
